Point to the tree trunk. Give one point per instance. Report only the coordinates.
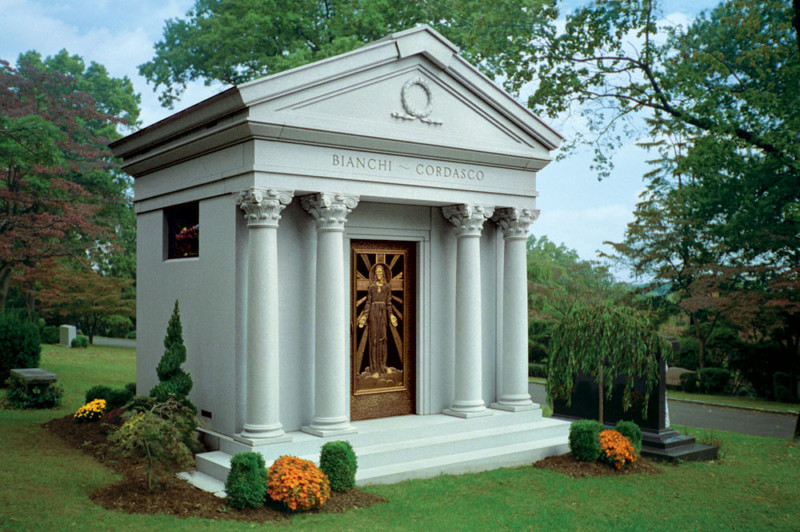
(600, 398)
(797, 426)
(5, 278)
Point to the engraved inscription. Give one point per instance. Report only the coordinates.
(370, 163)
(456, 172)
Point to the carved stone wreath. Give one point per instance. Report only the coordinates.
(411, 111)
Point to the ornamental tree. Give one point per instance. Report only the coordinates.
(606, 343)
(173, 380)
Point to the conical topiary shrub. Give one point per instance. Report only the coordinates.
(174, 381)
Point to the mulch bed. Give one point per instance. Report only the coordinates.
(568, 465)
(176, 497)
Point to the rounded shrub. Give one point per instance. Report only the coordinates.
(80, 341)
(338, 461)
(297, 483)
(715, 380)
(19, 345)
(689, 382)
(50, 334)
(246, 484)
(131, 387)
(97, 392)
(584, 440)
(631, 430)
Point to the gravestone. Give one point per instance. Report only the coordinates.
(68, 333)
(658, 439)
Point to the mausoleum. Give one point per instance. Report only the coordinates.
(347, 243)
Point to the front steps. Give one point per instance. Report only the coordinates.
(399, 448)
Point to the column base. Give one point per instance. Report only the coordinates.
(256, 440)
(466, 414)
(516, 407)
(325, 432)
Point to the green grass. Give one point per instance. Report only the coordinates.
(46, 485)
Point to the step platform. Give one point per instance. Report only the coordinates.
(404, 447)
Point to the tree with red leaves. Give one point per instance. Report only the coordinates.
(57, 176)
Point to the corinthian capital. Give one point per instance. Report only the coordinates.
(515, 222)
(468, 218)
(330, 210)
(262, 206)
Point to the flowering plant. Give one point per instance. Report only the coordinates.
(91, 411)
(186, 241)
(616, 449)
(297, 483)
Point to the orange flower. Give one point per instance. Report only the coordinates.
(617, 450)
(298, 483)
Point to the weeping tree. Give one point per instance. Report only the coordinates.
(606, 343)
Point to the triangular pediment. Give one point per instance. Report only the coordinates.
(410, 101)
(409, 93)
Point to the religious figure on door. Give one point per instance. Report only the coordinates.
(378, 308)
(378, 313)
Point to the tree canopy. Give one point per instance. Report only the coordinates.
(61, 194)
(233, 41)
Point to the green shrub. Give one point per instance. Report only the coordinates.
(178, 413)
(689, 382)
(157, 440)
(584, 440)
(131, 387)
(782, 387)
(115, 398)
(715, 380)
(80, 341)
(131, 335)
(338, 461)
(50, 334)
(173, 380)
(537, 370)
(38, 395)
(116, 326)
(246, 484)
(97, 392)
(19, 345)
(631, 430)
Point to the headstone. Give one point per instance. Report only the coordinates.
(68, 333)
(34, 375)
(658, 439)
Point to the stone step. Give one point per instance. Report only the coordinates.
(512, 455)
(432, 446)
(204, 482)
(447, 445)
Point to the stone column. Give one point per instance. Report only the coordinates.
(514, 394)
(262, 209)
(468, 219)
(331, 415)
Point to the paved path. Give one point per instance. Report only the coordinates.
(114, 342)
(705, 416)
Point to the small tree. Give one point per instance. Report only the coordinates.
(605, 343)
(174, 381)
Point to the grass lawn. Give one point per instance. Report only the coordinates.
(45, 485)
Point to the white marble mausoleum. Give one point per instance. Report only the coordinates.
(347, 243)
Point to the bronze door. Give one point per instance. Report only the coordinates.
(382, 321)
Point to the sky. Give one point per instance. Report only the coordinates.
(576, 209)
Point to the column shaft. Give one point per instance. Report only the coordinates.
(468, 400)
(331, 416)
(514, 394)
(262, 414)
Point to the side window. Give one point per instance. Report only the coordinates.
(182, 226)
